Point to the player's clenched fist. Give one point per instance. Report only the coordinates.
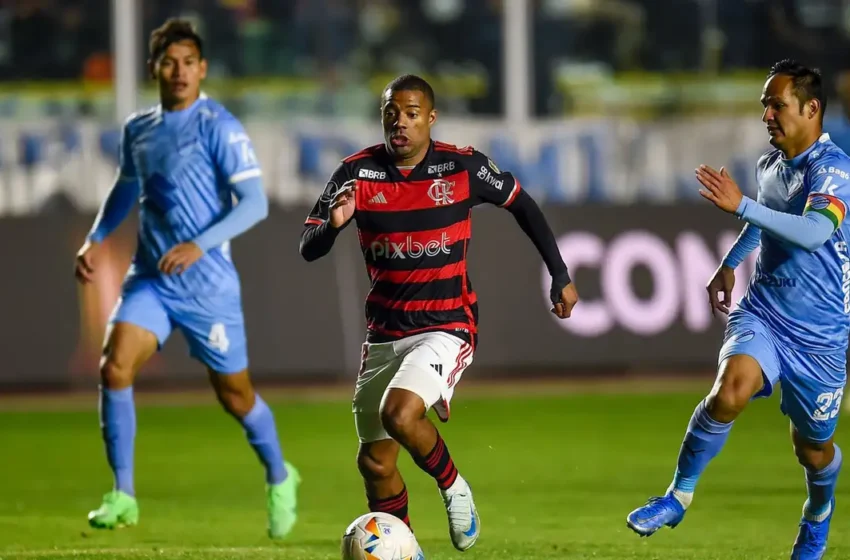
(722, 282)
(567, 299)
(342, 206)
(85, 262)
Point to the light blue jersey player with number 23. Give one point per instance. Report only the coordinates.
(791, 326)
(184, 161)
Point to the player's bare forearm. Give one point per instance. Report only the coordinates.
(532, 221)
(317, 240)
(809, 231)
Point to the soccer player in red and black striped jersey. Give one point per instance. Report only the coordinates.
(411, 198)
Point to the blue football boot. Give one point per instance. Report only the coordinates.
(658, 512)
(811, 539)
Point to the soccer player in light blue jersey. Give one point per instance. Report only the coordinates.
(792, 324)
(184, 161)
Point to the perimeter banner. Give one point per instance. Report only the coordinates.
(641, 272)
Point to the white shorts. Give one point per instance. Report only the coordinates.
(428, 364)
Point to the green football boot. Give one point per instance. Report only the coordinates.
(282, 502)
(117, 510)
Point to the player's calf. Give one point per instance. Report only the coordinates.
(385, 488)
(236, 394)
(403, 417)
(822, 462)
(118, 428)
(127, 347)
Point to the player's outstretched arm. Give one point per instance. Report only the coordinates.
(115, 208)
(822, 216)
(329, 216)
(809, 231)
(531, 220)
(489, 184)
(123, 195)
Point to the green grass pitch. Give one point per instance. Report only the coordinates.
(554, 477)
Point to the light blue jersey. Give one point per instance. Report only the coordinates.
(793, 319)
(184, 168)
(805, 295)
(185, 165)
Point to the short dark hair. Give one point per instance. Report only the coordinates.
(173, 31)
(411, 82)
(807, 82)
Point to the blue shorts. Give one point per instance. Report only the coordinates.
(214, 327)
(812, 384)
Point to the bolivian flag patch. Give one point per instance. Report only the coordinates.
(828, 205)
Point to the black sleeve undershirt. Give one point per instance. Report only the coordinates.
(532, 221)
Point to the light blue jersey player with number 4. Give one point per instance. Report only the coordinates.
(183, 161)
(792, 325)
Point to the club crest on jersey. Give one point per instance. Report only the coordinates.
(442, 192)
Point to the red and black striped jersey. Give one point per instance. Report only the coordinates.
(414, 230)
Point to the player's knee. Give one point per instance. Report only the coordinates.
(399, 416)
(115, 374)
(739, 380)
(373, 468)
(235, 392)
(725, 404)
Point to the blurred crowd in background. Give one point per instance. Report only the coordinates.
(334, 46)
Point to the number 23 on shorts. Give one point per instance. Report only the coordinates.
(829, 405)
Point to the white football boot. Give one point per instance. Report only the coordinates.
(464, 523)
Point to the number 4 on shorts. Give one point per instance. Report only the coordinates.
(218, 338)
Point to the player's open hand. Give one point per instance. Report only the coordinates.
(85, 262)
(342, 206)
(179, 258)
(568, 298)
(719, 188)
(722, 282)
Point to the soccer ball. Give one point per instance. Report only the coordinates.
(380, 536)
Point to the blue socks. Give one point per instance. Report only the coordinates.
(118, 426)
(262, 435)
(821, 487)
(703, 441)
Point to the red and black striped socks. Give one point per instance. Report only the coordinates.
(394, 505)
(438, 463)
